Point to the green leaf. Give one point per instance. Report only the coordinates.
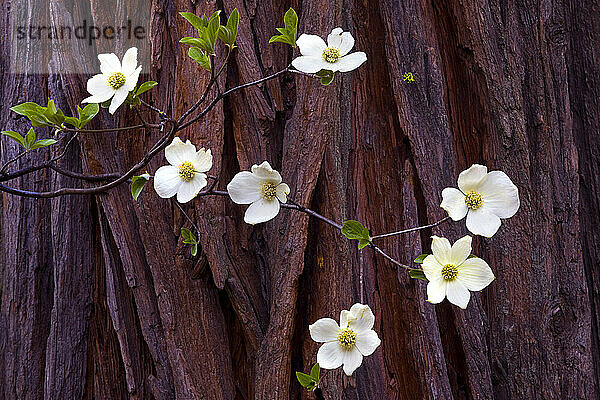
(194, 249)
(214, 23)
(105, 104)
(228, 33)
(417, 274)
(144, 87)
(326, 76)
(29, 139)
(189, 238)
(137, 184)
(289, 32)
(362, 243)
(193, 41)
(305, 380)
(419, 260)
(72, 120)
(355, 230)
(197, 22)
(472, 256)
(43, 143)
(34, 112)
(15, 136)
(200, 57)
(315, 371)
(87, 114)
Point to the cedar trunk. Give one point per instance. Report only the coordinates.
(101, 300)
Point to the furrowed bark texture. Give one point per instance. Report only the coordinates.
(101, 300)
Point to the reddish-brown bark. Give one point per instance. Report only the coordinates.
(100, 299)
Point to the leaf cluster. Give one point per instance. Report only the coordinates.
(28, 141)
(289, 31)
(310, 382)
(209, 29)
(50, 116)
(354, 230)
(190, 238)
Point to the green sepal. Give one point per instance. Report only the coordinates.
(417, 274)
(137, 184)
(326, 76)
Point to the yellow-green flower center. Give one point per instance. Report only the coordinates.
(473, 200)
(347, 338)
(116, 80)
(186, 171)
(268, 191)
(449, 272)
(331, 55)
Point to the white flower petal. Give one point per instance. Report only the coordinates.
(311, 45)
(178, 152)
(352, 360)
(99, 88)
(436, 290)
(310, 64)
(432, 268)
(442, 251)
(188, 190)
(475, 274)
(471, 178)
(457, 293)
(261, 211)
(266, 173)
(500, 195)
(330, 355)
(482, 222)
(350, 62)
(282, 191)
(324, 330)
(367, 342)
(362, 318)
(334, 39)
(129, 61)
(453, 201)
(203, 161)
(345, 44)
(345, 316)
(461, 249)
(167, 181)
(118, 99)
(244, 188)
(131, 80)
(109, 63)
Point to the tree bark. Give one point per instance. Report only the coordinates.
(101, 300)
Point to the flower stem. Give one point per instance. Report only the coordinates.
(418, 228)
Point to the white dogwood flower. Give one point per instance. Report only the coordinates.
(262, 189)
(333, 56)
(451, 273)
(483, 198)
(116, 79)
(186, 174)
(347, 342)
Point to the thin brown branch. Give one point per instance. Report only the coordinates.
(418, 228)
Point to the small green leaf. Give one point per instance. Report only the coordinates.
(472, 256)
(305, 380)
(197, 22)
(43, 143)
(362, 243)
(105, 104)
(194, 249)
(355, 230)
(200, 57)
(87, 113)
(29, 139)
(15, 136)
(34, 112)
(326, 76)
(137, 184)
(417, 274)
(228, 33)
(193, 41)
(144, 87)
(72, 120)
(315, 371)
(419, 260)
(289, 32)
(189, 238)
